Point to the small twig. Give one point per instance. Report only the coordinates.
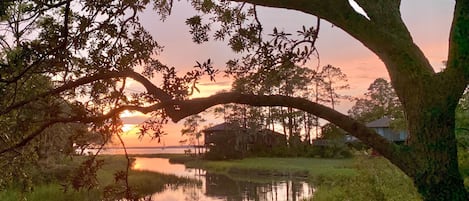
(127, 186)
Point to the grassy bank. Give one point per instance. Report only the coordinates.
(293, 167)
(142, 183)
(376, 179)
(360, 178)
(159, 155)
(173, 158)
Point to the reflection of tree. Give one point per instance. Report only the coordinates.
(192, 192)
(192, 131)
(231, 190)
(222, 186)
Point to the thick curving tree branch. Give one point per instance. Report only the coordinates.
(179, 109)
(151, 88)
(384, 33)
(403, 158)
(80, 119)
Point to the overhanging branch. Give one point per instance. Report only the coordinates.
(85, 119)
(385, 34)
(151, 88)
(178, 110)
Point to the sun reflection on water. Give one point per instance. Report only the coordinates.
(220, 187)
(136, 165)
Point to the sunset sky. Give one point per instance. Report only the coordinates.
(428, 21)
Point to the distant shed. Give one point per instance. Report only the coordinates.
(228, 140)
(382, 127)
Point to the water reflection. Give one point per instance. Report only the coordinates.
(233, 190)
(162, 165)
(220, 187)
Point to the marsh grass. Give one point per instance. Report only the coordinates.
(173, 158)
(143, 183)
(376, 179)
(294, 167)
(165, 155)
(362, 178)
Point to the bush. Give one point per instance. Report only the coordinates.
(377, 179)
(333, 151)
(49, 187)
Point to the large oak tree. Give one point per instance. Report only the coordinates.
(429, 98)
(90, 47)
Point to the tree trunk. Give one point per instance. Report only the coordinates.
(284, 124)
(436, 185)
(431, 128)
(290, 121)
(438, 177)
(306, 127)
(272, 123)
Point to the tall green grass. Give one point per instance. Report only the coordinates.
(300, 167)
(142, 183)
(376, 179)
(49, 192)
(359, 179)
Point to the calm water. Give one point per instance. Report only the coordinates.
(218, 187)
(138, 150)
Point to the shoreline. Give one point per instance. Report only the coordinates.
(301, 168)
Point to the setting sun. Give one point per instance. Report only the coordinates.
(128, 127)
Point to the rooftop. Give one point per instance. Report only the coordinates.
(222, 127)
(379, 123)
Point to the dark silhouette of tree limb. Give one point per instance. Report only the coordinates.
(154, 90)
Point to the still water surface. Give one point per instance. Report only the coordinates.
(219, 187)
(141, 150)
